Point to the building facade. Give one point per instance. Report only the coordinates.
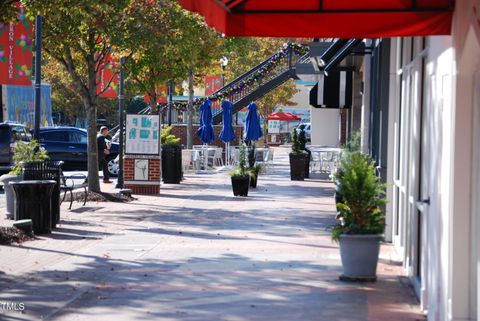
(421, 123)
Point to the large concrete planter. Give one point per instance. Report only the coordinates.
(359, 255)
(9, 195)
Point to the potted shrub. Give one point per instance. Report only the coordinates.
(240, 176)
(298, 157)
(24, 152)
(171, 157)
(253, 169)
(361, 220)
(302, 140)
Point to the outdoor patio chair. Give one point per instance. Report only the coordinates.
(315, 162)
(187, 163)
(197, 159)
(215, 157)
(234, 155)
(269, 162)
(259, 155)
(328, 162)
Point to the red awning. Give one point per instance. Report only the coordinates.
(326, 18)
(283, 116)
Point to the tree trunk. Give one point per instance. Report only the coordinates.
(92, 149)
(190, 110)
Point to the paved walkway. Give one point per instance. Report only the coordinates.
(196, 253)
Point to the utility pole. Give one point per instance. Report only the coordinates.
(121, 103)
(170, 102)
(190, 110)
(38, 75)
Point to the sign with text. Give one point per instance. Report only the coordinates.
(273, 126)
(142, 134)
(16, 55)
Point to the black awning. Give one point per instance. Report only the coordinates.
(335, 53)
(334, 91)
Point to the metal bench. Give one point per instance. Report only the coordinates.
(70, 183)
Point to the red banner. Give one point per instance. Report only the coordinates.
(108, 78)
(16, 52)
(212, 84)
(161, 95)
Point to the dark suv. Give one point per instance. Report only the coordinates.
(10, 134)
(69, 144)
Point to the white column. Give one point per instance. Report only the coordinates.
(366, 101)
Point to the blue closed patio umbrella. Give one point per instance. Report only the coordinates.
(253, 130)
(205, 132)
(227, 134)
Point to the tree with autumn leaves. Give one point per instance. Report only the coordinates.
(82, 37)
(244, 53)
(183, 45)
(8, 11)
(160, 40)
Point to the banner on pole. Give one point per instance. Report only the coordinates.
(212, 84)
(16, 45)
(108, 78)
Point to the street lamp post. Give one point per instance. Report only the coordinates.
(223, 63)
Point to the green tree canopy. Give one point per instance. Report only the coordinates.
(80, 36)
(245, 53)
(177, 40)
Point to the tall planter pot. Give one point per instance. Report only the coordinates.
(307, 164)
(359, 255)
(9, 195)
(240, 185)
(253, 181)
(172, 164)
(297, 167)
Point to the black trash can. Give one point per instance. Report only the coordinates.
(46, 170)
(33, 201)
(172, 164)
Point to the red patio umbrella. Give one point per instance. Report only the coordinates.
(283, 116)
(326, 18)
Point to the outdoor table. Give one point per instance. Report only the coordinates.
(326, 157)
(33, 201)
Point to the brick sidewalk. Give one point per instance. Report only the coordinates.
(197, 253)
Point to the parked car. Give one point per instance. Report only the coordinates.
(69, 144)
(307, 127)
(10, 135)
(113, 166)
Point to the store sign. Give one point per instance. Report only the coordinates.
(142, 135)
(16, 45)
(273, 126)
